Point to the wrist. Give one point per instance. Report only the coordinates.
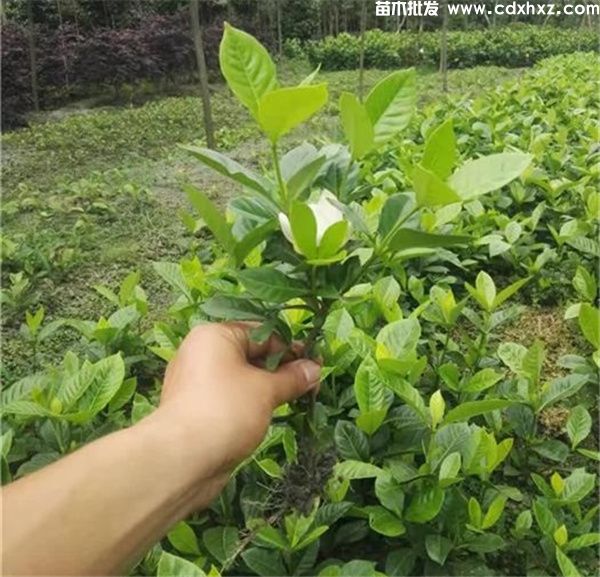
(189, 466)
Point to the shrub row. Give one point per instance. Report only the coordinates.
(516, 46)
(69, 62)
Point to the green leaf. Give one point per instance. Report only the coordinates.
(264, 562)
(438, 548)
(475, 516)
(482, 380)
(405, 238)
(333, 239)
(304, 229)
(561, 388)
(385, 522)
(271, 537)
(271, 285)
(577, 486)
(589, 322)
(351, 442)
(230, 168)
(494, 512)
(440, 150)
(257, 235)
(483, 175)
(396, 209)
(486, 289)
(579, 425)
(299, 168)
(437, 407)
(400, 562)
(104, 379)
(399, 339)
(409, 394)
(283, 109)
(509, 291)
(183, 538)
(356, 470)
(370, 394)
(425, 505)
(465, 411)
(488, 543)
(391, 104)
(585, 284)
(247, 67)
(357, 125)
(431, 190)
(232, 309)
(567, 567)
(221, 542)
(214, 220)
(582, 541)
(173, 566)
(389, 492)
(450, 468)
(123, 395)
(533, 361)
(544, 518)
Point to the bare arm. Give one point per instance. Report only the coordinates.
(97, 510)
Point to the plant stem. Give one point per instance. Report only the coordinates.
(280, 181)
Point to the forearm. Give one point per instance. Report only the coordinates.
(99, 509)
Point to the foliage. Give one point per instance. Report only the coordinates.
(399, 263)
(503, 46)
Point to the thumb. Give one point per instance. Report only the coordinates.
(294, 379)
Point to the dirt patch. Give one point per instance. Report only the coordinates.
(548, 326)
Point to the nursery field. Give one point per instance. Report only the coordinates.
(439, 252)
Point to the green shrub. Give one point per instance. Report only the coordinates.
(427, 450)
(508, 46)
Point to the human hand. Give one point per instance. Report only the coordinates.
(216, 391)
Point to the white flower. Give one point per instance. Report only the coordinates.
(326, 214)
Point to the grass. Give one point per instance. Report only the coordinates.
(93, 195)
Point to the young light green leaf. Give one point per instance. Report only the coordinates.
(283, 109)
(475, 515)
(483, 175)
(585, 284)
(172, 566)
(440, 150)
(247, 67)
(567, 567)
(431, 190)
(589, 322)
(482, 380)
(391, 104)
(494, 512)
(183, 538)
(579, 425)
(357, 125)
(437, 406)
(304, 229)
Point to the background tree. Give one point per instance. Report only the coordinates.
(202, 72)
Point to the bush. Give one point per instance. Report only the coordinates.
(508, 46)
(70, 63)
(442, 441)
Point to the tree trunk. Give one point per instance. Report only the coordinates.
(203, 73)
(444, 46)
(32, 58)
(279, 33)
(361, 63)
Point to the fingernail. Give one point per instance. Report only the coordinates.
(312, 372)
